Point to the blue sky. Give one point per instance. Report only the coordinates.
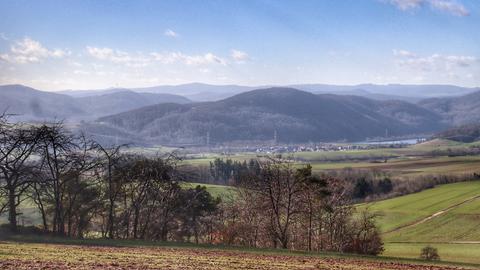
(55, 45)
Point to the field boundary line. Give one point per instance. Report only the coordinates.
(434, 215)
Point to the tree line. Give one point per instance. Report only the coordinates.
(83, 189)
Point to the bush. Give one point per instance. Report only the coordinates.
(430, 254)
(366, 238)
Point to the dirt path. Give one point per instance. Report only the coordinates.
(441, 212)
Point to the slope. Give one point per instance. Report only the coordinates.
(296, 116)
(412, 217)
(456, 110)
(31, 104)
(126, 100)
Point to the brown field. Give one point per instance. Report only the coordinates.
(54, 256)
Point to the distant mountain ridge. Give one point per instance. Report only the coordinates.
(207, 92)
(27, 103)
(294, 115)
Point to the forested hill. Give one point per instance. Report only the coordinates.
(456, 110)
(296, 116)
(29, 104)
(466, 133)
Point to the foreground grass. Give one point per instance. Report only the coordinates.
(58, 253)
(466, 253)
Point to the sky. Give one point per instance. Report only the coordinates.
(57, 45)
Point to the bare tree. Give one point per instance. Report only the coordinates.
(148, 184)
(113, 186)
(17, 144)
(279, 187)
(64, 158)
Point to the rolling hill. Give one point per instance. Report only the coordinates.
(31, 104)
(126, 100)
(466, 133)
(296, 116)
(456, 110)
(446, 217)
(26, 103)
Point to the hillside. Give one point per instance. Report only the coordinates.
(445, 216)
(456, 110)
(296, 116)
(125, 100)
(466, 133)
(31, 104)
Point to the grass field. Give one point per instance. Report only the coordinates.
(76, 255)
(223, 192)
(410, 161)
(447, 217)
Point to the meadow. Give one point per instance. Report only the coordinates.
(446, 217)
(413, 160)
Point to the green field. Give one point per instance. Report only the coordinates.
(223, 192)
(414, 160)
(446, 217)
(465, 253)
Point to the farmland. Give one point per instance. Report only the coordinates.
(15, 255)
(446, 217)
(413, 160)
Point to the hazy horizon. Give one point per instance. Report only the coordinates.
(254, 87)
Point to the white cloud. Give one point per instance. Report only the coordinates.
(403, 53)
(434, 62)
(450, 6)
(171, 33)
(118, 57)
(406, 4)
(239, 56)
(191, 60)
(31, 51)
(141, 60)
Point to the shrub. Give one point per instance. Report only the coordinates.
(366, 238)
(430, 254)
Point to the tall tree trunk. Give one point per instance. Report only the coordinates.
(38, 201)
(310, 220)
(111, 208)
(12, 210)
(135, 222)
(110, 219)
